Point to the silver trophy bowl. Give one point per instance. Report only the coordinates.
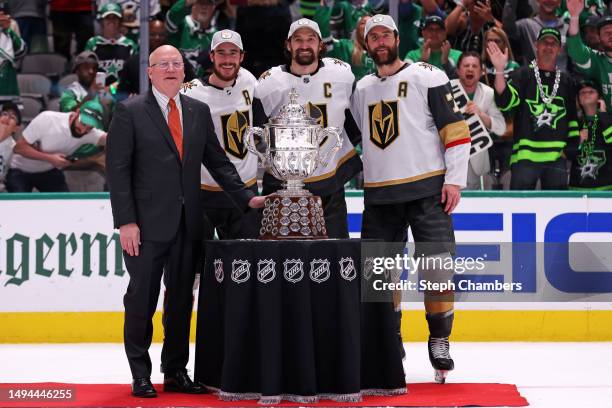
(292, 146)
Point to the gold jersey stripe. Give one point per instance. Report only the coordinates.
(217, 188)
(454, 131)
(405, 180)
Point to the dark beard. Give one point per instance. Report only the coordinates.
(305, 59)
(74, 131)
(224, 78)
(391, 57)
(86, 83)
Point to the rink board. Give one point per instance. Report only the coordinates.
(62, 277)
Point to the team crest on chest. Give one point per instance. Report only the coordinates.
(591, 163)
(318, 111)
(234, 127)
(546, 114)
(384, 123)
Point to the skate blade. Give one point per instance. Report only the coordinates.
(440, 376)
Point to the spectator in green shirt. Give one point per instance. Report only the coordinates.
(352, 51)
(85, 87)
(596, 65)
(436, 50)
(12, 48)
(190, 27)
(590, 32)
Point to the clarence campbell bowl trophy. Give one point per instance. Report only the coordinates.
(292, 151)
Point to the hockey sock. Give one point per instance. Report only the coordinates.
(440, 324)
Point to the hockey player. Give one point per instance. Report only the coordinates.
(112, 47)
(228, 91)
(415, 151)
(324, 86)
(545, 120)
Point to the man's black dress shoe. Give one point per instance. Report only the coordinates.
(142, 387)
(179, 381)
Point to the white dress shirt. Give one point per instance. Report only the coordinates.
(163, 101)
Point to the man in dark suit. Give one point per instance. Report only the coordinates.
(156, 144)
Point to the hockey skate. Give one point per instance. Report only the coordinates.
(440, 358)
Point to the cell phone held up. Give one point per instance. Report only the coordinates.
(100, 80)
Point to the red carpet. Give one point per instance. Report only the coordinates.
(118, 395)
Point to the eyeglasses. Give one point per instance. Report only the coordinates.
(9, 114)
(167, 64)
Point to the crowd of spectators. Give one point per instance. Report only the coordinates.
(536, 74)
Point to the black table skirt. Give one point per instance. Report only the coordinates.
(269, 329)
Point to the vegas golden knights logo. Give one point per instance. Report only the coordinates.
(234, 126)
(384, 123)
(319, 113)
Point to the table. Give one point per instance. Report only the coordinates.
(284, 320)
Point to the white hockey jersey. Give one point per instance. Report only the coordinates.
(413, 136)
(232, 113)
(325, 95)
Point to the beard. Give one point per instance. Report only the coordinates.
(226, 78)
(86, 82)
(304, 59)
(389, 59)
(74, 131)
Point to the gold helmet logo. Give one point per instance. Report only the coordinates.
(384, 128)
(234, 126)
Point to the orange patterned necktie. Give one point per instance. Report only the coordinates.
(174, 123)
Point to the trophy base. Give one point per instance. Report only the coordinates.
(293, 217)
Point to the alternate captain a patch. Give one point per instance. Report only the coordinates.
(234, 127)
(384, 123)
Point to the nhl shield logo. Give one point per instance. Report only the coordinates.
(218, 270)
(319, 270)
(294, 270)
(266, 270)
(241, 270)
(368, 267)
(347, 269)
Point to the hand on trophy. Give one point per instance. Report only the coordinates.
(257, 202)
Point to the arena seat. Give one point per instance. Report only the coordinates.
(31, 108)
(34, 84)
(51, 65)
